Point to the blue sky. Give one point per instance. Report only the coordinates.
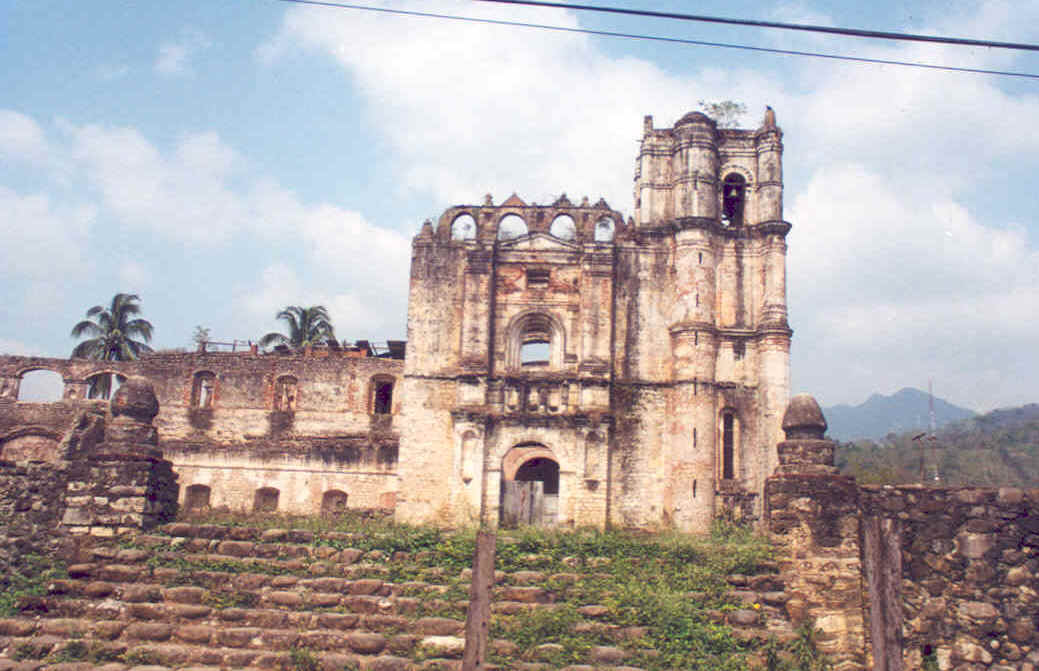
(224, 159)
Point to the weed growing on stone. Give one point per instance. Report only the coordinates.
(141, 657)
(303, 659)
(72, 651)
(27, 579)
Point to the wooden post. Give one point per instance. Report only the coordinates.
(478, 620)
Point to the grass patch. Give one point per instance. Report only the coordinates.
(27, 579)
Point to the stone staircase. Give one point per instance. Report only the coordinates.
(198, 596)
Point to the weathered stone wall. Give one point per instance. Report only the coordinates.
(106, 477)
(32, 502)
(320, 433)
(969, 582)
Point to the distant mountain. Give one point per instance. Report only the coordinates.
(905, 410)
(998, 449)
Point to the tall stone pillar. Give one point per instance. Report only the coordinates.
(813, 516)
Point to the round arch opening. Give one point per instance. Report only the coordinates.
(529, 487)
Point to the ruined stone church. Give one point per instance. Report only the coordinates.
(564, 366)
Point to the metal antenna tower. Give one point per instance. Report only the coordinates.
(932, 438)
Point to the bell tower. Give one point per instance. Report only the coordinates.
(709, 210)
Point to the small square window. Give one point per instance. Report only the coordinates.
(537, 277)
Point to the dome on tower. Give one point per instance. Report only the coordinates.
(694, 117)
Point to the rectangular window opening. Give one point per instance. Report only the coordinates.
(537, 277)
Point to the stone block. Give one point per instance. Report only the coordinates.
(443, 646)
(366, 643)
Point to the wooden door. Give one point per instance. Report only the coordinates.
(522, 503)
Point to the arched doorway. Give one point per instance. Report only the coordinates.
(529, 487)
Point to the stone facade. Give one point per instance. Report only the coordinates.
(310, 429)
(638, 369)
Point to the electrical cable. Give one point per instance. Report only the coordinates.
(659, 38)
(853, 32)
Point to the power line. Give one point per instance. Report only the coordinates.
(659, 38)
(854, 32)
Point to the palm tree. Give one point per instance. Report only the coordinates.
(112, 332)
(307, 326)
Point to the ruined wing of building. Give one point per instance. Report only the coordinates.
(564, 366)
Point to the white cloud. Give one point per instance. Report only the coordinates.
(355, 310)
(21, 138)
(470, 109)
(185, 195)
(39, 237)
(174, 58)
(883, 279)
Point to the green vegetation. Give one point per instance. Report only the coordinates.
(801, 654)
(141, 656)
(302, 659)
(669, 591)
(999, 449)
(27, 579)
(112, 331)
(726, 113)
(307, 326)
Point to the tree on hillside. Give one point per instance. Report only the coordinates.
(306, 326)
(114, 333)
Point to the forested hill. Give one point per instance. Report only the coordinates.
(905, 410)
(997, 449)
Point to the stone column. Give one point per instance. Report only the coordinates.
(813, 516)
(122, 484)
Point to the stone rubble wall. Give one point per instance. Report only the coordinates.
(814, 521)
(32, 503)
(970, 573)
(899, 578)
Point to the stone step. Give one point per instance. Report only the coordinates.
(254, 648)
(361, 652)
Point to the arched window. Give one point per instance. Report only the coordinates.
(333, 502)
(197, 497)
(31, 445)
(265, 500)
(511, 226)
(203, 390)
(727, 465)
(382, 395)
(41, 386)
(463, 227)
(734, 189)
(563, 227)
(604, 230)
(285, 394)
(535, 341)
(104, 385)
